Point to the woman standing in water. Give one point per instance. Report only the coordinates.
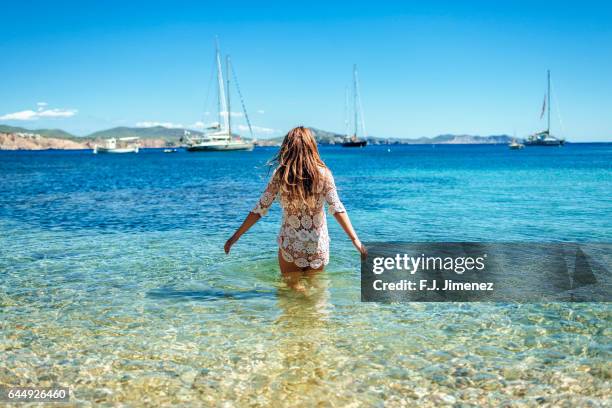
(303, 183)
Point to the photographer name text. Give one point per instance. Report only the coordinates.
(431, 285)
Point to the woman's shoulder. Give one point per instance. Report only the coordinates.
(325, 171)
(326, 178)
(276, 176)
(276, 172)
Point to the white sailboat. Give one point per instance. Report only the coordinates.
(545, 138)
(220, 136)
(353, 140)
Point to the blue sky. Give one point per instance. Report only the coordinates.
(426, 68)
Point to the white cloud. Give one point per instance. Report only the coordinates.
(41, 112)
(233, 114)
(257, 129)
(57, 113)
(202, 125)
(261, 111)
(169, 125)
(21, 115)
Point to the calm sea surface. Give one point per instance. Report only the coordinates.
(113, 280)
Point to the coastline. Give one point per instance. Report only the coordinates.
(159, 137)
(17, 138)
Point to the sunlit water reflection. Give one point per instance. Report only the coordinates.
(113, 281)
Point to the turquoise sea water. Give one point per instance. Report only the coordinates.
(113, 280)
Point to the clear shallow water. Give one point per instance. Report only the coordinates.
(113, 280)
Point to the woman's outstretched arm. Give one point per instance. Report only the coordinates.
(337, 209)
(248, 222)
(261, 209)
(345, 222)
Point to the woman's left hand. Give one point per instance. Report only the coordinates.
(363, 251)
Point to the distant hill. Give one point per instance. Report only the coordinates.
(58, 139)
(155, 132)
(459, 139)
(325, 137)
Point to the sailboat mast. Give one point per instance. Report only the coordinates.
(219, 110)
(229, 115)
(355, 107)
(548, 77)
(364, 133)
(346, 112)
(223, 112)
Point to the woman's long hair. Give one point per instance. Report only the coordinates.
(298, 166)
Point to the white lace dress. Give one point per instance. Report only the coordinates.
(303, 237)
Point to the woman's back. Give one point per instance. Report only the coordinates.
(303, 237)
(303, 184)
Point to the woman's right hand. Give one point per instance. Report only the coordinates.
(361, 248)
(228, 245)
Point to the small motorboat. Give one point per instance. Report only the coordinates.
(514, 145)
(117, 146)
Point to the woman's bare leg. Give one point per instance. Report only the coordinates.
(292, 274)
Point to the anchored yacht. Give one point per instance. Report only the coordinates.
(353, 140)
(545, 138)
(220, 137)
